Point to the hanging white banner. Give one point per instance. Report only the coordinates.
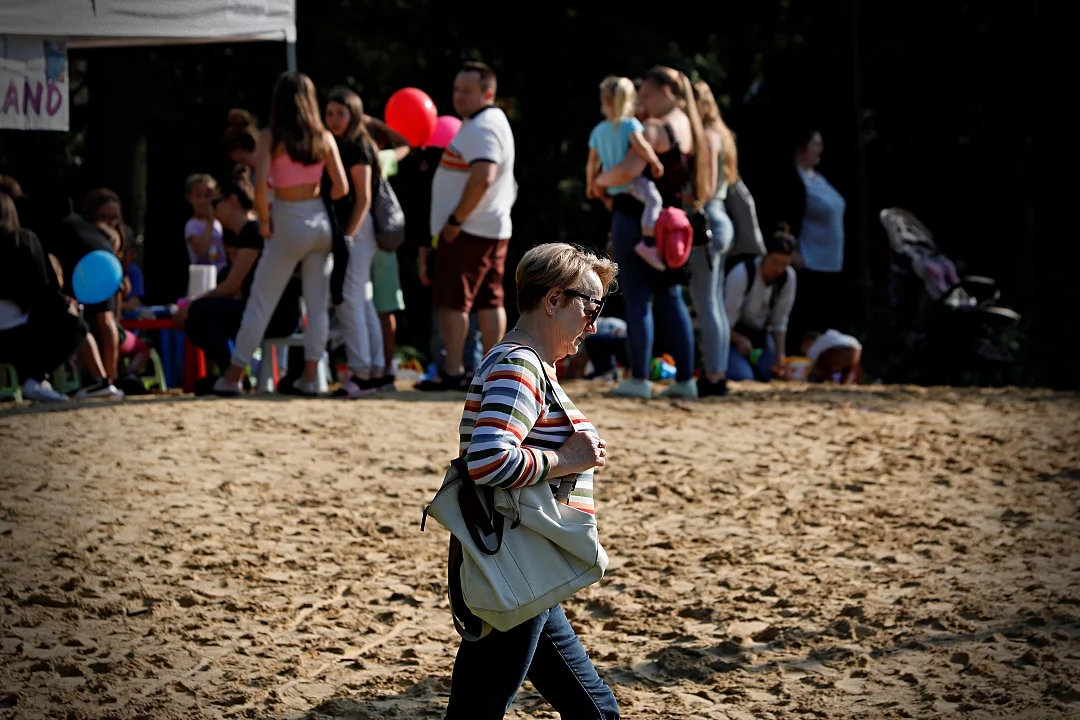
(33, 83)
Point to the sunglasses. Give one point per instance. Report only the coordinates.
(599, 303)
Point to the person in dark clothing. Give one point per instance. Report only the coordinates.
(40, 328)
(75, 238)
(213, 320)
(813, 210)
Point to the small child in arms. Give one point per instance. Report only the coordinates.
(609, 142)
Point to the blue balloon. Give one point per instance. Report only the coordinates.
(97, 277)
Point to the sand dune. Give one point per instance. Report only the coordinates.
(782, 553)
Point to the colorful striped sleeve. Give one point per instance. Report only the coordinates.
(511, 403)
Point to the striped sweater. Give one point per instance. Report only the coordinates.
(510, 418)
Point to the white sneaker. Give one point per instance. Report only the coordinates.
(43, 391)
(633, 388)
(101, 388)
(684, 389)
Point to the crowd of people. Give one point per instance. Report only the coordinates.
(291, 238)
(663, 144)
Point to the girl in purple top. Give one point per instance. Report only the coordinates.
(202, 233)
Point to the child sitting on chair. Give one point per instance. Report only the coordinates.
(132, 348)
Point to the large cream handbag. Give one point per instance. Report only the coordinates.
(513, 553)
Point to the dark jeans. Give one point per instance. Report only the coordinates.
(489, 672)
(641, 287)
(213, 322)
(605, 352)
(46, 341)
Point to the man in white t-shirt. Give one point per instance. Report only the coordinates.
(471, 196)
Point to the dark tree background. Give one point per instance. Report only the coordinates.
(949, 109)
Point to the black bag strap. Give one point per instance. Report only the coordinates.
(480, 517)
(468, 625)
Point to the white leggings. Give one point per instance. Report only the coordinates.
(301, 235)
(356, 315)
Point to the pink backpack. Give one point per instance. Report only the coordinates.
(674, 237)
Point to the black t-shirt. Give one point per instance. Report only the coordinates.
(75, 239)
(412, 185)
(26, 276)
(352, 153)
(248, 238)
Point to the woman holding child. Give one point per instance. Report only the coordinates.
(674, 132)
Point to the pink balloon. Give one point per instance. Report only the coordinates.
(446, 127)
(412, 113)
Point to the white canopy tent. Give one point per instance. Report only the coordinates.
(105, 23)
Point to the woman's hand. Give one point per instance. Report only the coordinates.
(657, 169)
(179, 317)
(581, 452)
(265, 229)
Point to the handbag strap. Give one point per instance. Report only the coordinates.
(479, 518)
(468, 625)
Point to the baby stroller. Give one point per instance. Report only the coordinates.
(955, 331)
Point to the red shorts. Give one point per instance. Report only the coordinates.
(469, 273)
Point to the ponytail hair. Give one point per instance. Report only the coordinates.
(622, 95)
(711, 119)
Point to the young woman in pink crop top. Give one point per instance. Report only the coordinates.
(294, 150)
(287, 173)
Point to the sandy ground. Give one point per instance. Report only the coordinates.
(879, 553)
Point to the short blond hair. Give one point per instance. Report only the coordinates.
(193, 181)
(558, 265)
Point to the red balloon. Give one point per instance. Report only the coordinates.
(412, 113)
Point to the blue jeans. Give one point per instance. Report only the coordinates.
(641, 286)
(707, 289)
(605, 351)
(739, 367)
(489, 672)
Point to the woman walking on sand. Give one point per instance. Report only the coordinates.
(519, 428)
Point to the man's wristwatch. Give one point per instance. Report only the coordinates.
(453, 221)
